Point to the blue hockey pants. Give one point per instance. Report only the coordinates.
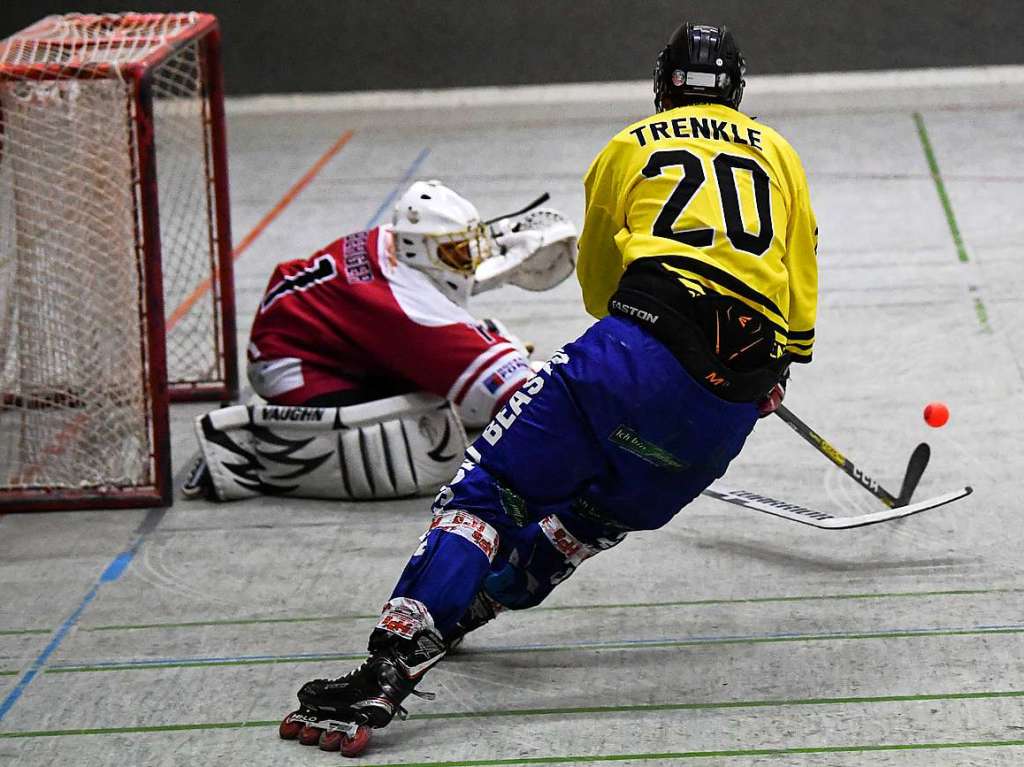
(612, 435)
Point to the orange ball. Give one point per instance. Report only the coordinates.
(936, 414)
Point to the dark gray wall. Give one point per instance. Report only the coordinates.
(339, 45)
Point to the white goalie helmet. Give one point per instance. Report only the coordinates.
(440, 233)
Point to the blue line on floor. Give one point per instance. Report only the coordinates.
(111, 573)
(712, 639)
(399, 187)
(116, 568)
(37, 664)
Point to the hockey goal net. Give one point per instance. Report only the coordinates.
(115, 267)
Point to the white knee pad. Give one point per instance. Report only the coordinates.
(391, 448)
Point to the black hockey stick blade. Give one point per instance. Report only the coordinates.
(823, 519)
(915, 468)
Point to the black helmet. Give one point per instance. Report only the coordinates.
(700, 63)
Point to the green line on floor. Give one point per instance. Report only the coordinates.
(657, 707)
(568, 711)
(747, 752)
(940, 187)
(588, 607)
(982, 314)
(769, 600)
(634, 645)
(23, 632)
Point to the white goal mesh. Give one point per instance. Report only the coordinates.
(82, 376)
(72, 376)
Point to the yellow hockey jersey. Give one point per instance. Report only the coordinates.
(725, 196)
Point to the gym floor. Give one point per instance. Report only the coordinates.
(179, 636)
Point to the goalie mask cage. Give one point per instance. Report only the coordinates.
(115, 253)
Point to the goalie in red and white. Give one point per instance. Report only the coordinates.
(370, 363)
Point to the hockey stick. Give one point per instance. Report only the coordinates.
(539, 201)
(822, 519)
(915, 466)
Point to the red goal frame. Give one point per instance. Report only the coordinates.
(137, 72)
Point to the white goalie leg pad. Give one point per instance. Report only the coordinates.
(229, 450)
(413, 454)
(470, 527)
(396, 447)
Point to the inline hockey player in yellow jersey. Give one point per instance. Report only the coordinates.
(698, 258)
(701, 214)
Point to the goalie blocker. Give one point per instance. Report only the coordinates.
(397, 447)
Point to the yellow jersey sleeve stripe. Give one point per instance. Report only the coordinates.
(801, 335)
(795, 356)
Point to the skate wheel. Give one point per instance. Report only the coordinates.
(331, 740)
(309, 735)
(336, 740)
(355, 745)
(289, 729)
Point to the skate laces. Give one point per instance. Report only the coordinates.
(402, 681)
(400, 711)
(344, 677)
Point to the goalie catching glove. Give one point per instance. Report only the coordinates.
(535, 251)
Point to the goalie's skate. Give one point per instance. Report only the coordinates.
(198, 482)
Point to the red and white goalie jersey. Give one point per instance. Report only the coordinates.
(352, 323)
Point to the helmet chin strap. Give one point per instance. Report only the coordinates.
(539, 201)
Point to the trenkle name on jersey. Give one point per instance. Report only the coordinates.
(722, 200)
(697, 127)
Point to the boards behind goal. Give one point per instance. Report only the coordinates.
(115, 253)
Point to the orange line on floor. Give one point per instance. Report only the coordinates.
(257, 230)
